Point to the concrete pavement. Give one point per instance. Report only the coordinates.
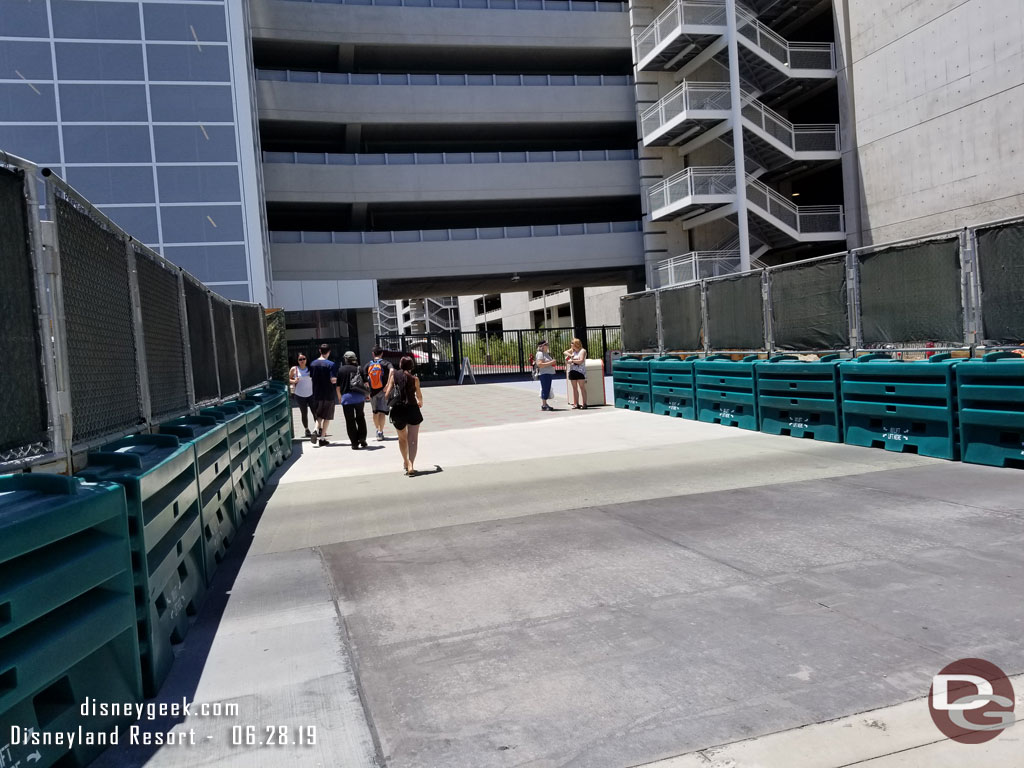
(602, 588)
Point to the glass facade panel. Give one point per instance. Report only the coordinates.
(208, 63)
(190, 143)
(208, 184)
(117, 184)
(38, 143)
(20, 59)
(232, 292)
(91, 20)
(27, 103)
(202, 223)
(106, 144)
(25, 18)
(139, 222)
(191, 103)
(99, 61)
(210, 263)
(165, 21)
(103, 103)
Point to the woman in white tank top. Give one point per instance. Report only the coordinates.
(302, 390)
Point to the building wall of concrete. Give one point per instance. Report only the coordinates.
(379, 25)
(444, 105)
(936, 93)
(455, 258)
(449, 183)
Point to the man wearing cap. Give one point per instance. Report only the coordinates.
(354, 391)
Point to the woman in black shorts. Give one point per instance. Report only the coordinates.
(405, 411)
(576, 359)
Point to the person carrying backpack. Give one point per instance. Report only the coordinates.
(405, 399)
(355, 391)
(377, 373)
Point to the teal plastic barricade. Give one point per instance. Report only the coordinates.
(726, 391)
(67, 614)
(209, 440)
(158, 474)
(276, 423)
(259, 469)
(233, 416)
(908, 407)
(800, 399)
(631, 383)
(991, 393)
(673, 391)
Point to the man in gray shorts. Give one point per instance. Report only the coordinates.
(377, 372)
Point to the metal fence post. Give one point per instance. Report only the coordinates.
(46, 268)
(190, 384)
(213, 341)
(766, 301)
(522, 359)
(657, 315)
(234, 351)
(970, 286)
(853, 298)
(604, 344)
(265, 342)
(704, 316)
(51, 243)
(140, 338)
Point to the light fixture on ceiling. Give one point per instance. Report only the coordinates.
(515, 277)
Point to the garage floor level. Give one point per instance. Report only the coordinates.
(602, 589)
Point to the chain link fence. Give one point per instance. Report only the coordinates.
(24, 431)
(102, 337)
(951, 290)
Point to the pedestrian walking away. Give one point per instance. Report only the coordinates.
(576, 359)
(354, 391)
(544, 364)
(405, 399)
(322, 373)
(378, 373)
(301, 385)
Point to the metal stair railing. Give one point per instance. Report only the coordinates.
(805, 219)
(686, 97)
(791, 55)
(714, 180)
(678, 14)
(803, 137)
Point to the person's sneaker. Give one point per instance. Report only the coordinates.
(362, 444)
(323, 442)
(308, 433)
(380, 435)
(355, 447)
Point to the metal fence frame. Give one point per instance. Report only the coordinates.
(56, 373)
(970, 289)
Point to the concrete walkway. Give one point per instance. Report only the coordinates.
(603, 588)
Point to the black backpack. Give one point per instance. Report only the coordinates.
(398, 385)
(357, 384)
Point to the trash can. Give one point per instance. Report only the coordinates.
(595, 383)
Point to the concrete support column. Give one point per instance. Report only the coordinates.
(361, 326)
(578, 308)
(737, 136)
(353, 137)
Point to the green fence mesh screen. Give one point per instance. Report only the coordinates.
(736, 312)
(912, 294)
(681, 324)
(639, 322)
(1001, 263)
(105, 392)
(809, 305)
(161, 327)
(23, 426)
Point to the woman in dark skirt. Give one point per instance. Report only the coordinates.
(405, 406)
